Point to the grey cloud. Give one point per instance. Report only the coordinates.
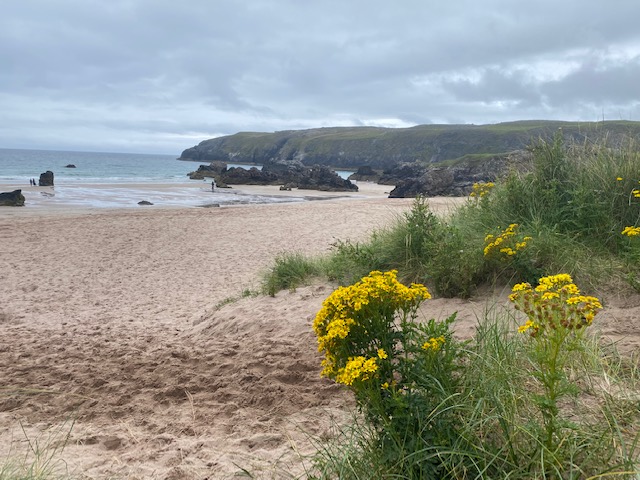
(226, 66)
(615, 85)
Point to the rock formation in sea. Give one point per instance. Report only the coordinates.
(12, 199)
(46, 179)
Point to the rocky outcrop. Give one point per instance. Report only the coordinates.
(145, 202)
(253, 176)
(366, 174)
(456, 180)
(46, 179)
(12, 199)
(322, 178)
(211, 171)
(71, 165)
(292, 174)
(401, 172)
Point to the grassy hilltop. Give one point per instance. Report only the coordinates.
(352, 147)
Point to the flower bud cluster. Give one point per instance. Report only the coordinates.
(556, 303)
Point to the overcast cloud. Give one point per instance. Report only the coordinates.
(161, 76)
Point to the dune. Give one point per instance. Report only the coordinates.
(126, 338)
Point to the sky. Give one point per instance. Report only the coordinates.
(160, 76)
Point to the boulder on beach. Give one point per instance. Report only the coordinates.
(46, 179)
(12, 199)
(145, 202)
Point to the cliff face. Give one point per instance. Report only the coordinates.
(383, 148)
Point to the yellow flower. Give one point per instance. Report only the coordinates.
(382, 354)
(357, 368)
(434, 343)
(619, 179)
(528, 324)
(520, 287)
(555, 279)
(631, 231)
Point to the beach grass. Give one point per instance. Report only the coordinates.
(38, 456)
(541, 399)
(573, 207)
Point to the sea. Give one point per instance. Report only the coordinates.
(117, 180)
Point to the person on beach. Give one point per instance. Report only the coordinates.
(213, 186)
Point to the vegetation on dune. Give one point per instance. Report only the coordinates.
(577, 210)
(534, 394)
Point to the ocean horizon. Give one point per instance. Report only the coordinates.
(18, 166)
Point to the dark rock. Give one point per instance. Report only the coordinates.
(71, 165)
(400, 172)
(365, 174)
(145, 202)
(456, 180)
(253, 176)
(12, 199)
(212, 170)
(322, 178)
(46, 179)
(290, 173)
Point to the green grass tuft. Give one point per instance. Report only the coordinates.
(289, 271)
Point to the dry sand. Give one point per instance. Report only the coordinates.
(116, 330)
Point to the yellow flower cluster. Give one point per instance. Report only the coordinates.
(631, 231)
(479, 190)
(505, 243)
(555, 303)
(357, 368)
(434, 343)
(378, 295)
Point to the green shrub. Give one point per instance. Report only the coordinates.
(402, 373)
(539, 401)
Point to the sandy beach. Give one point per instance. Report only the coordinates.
(124, 335)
